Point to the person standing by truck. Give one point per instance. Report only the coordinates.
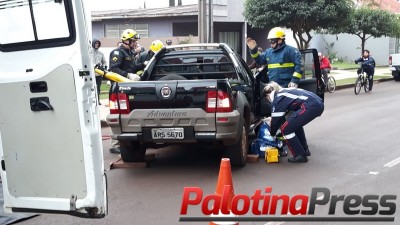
(368, 66)
(100, 61)
(284, 61)
(122, 61)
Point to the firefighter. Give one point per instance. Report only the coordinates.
(122, 59)
(301, 107)
(284, 61)
(155, 46)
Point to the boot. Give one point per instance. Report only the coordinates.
(297, 159)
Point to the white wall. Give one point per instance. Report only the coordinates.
(348, 47)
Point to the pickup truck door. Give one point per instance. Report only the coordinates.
(50, 134)
(311, 81)
(312, 77)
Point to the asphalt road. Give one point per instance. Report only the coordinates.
(355, 151)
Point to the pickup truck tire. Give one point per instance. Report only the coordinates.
(237, 153)
(173, 77)
(132, 152)
(396, 75)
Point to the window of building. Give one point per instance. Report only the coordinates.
(115, 30)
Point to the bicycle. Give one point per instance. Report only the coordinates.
(330, 86)
(362, 80)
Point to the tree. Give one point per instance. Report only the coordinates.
(365, 22)
(301, 16)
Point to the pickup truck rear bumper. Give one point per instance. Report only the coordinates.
(226, 130)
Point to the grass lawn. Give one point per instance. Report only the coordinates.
(104, 88)
(344, 65)
(353, 80)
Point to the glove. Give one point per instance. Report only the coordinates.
(293, 85)
(133, 77)
(252, 44)
(355, 61)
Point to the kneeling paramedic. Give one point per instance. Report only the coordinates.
(302, 107)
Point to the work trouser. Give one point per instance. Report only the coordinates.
(370, 76)
(325, 74)
(98, 84)
(292, 130)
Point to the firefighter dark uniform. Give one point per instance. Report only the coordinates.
(305, 106)
(284, 61)
(122, 61)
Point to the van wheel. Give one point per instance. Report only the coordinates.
(238, 152)
(132, 152)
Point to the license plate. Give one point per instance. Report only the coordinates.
(167, 133)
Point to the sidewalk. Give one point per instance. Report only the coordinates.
(337, 74)
(344, 74)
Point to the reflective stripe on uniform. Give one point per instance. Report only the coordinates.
(298, 75)
(277, 114)
(292, 96)
(289, 136)
(278, 65)
(255, 55)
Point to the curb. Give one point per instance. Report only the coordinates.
(344, 86)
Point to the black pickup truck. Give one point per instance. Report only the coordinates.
(194, 93)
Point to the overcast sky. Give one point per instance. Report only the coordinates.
(97, 5)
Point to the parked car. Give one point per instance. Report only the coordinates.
(394, 66)
(194, 93)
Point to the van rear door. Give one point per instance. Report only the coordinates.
(50, 134)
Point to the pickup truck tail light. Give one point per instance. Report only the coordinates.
(390, 60)
(218, 101)
(119, 103)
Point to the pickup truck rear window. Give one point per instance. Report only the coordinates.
(196, 67)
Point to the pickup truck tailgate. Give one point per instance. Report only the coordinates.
(169, 103)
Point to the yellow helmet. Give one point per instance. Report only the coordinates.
(276, 32)
(129, 34)
(156, 46)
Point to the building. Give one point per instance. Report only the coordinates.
(228, 25)
(179, 23)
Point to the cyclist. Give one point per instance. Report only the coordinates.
(368, 66)
(325, 66)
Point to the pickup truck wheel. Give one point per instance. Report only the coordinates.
(172, 77)
(238, 152)
(396, 75)
(132, 152)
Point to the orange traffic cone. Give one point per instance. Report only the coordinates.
(225, 183)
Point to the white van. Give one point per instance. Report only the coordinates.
(50, 135)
